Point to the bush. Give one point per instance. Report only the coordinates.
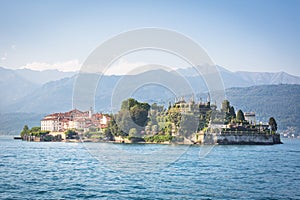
(158, 138)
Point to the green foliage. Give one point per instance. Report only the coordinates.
(188, 125)
(135, 139)
(139, 114)
(144, 106)
(232, 112)
(168, 128)
(108, 134)
(165, 127)
(25, 131)
(273, 124)
(71, 134)
(133, 114)
(39, 133)
(228, 112)
(132, 132)
(175, 117)
(34, 131)
(158, 138)
(280, 101)
(129, 103)
(240, 116)
(93, 134)
(123, 123)
(113, 128)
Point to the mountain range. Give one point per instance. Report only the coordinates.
(42, 92)
(26, 90)
(17, 84)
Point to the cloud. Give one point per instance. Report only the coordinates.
(122, 67)
(67, 66)
(130, 67)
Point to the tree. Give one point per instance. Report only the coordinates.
(133, 114)
(123, 123)
(25, 131)
(188, 125)
(168, 128)
(127, 104)
(232, 112)
(71, 134)
(108, 134)
(273, 124)
(35, 129)
(174, 116)
(43, 133)
(139, 114)
(113, 129)
(240, 116)
(132, 132)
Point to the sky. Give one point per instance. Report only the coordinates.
(240, 35)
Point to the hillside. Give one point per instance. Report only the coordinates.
(53, 96)
(13, 87)
(42, 77)
(280, 101)
(13, 123)
(25, 90)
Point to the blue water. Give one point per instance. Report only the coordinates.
(30, 170)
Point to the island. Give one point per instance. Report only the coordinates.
(138, 122)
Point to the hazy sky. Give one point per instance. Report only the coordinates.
(240, 35)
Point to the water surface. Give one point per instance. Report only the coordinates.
(41, 170)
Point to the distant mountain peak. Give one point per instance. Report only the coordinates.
(18, 85)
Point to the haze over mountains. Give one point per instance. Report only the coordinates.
(16, 84)
(43, 92)
(25, 90)
(245, 79)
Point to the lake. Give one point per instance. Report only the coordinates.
(41, 170)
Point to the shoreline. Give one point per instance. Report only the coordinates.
(210, 139)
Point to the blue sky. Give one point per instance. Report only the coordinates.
(241, 35)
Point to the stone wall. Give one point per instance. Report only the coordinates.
(264, 139)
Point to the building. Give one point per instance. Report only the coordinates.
(250, 117)
(74, 119)
(50, 124)
(192, 107)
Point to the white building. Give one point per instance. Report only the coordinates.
(74, 119)
(250, 117)
(50, 124)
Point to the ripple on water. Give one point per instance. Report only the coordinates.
(31, 170)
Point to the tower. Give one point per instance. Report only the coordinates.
(90, 112)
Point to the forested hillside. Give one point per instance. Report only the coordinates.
(278, 101)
